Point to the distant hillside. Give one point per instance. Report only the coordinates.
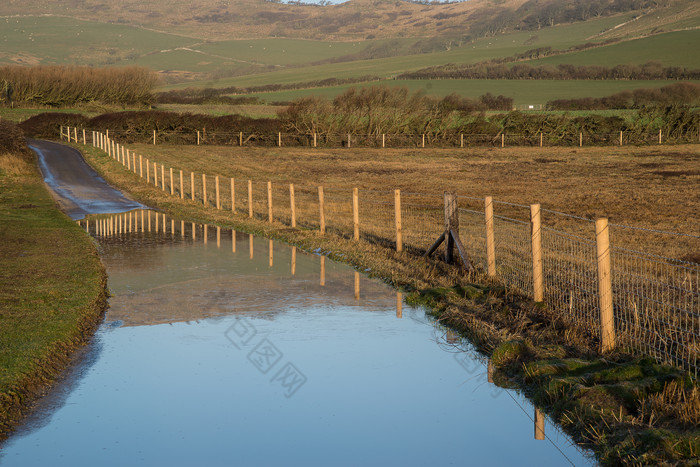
(364, 19)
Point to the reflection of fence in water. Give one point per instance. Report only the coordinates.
(656, 299)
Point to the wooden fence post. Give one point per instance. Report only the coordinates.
(314, 139)
(197, 137)
(620, 138)
(172, 182)
(356, 213)
(607, 320)
(279, 139)
(204, 189)
(154, 137)
(490, 242)
(397, 216)
(240, 138)
(451, 224)
(423, 141)
(269, 201)
(250, 198)
(216, 188)
(659, 135)
(503, 140)
(155, 174)
(580, 139)
(322, 215)
(192, 185)
(536, 236)
(541, 139)
(539, 425)
(233, 195)
(85, 139)
(140, 165)
(383, 140)
(292, 205)
(162, 176)
(148, 171)
(348, 139)
(75, 134)
(461, 140)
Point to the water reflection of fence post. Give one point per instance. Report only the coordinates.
(172, 228)
(172, 182)
(142, 224)
(322, 280)
(269, 201)
(250, 198)
(357, 285)
(233, 241)
(355, 214)
(539, 425)
(205, 233)
(399, 305)
(490, 241)
(536, 239)
(607, 323)
(216, 189)
(250, 241)
(162, 177)
(292, 205)
(204, 189)
(322, 216)
(294, 260)
(157, 223)
(271, 249)
(397, 216)
(149, 220)
(218, 236)
(182, 189)
(194, 231)
(182, 229)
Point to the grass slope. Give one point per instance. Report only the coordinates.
(52, 288)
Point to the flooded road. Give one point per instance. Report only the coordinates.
(224, 349)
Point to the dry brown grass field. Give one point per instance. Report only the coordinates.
(648, 187)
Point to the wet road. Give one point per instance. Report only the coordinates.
(78, 189)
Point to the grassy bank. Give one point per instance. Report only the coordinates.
(627, 409)
(52, 287)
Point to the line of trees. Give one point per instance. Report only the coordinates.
(647, 71)
(673, 94)
(380, 110)
(58, 86)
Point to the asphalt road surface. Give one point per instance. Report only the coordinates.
(78, 189)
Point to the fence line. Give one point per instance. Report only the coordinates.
(644, 303)
(441, 140)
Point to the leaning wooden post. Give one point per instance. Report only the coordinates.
(292, 205)
(607, 320)
(182, 189)
(490, 242)
(322, 215)
(356, 214)
(269, 201)
(172, 182)
(204, 189)
(216, 188)
(397, 217)
(451, 224)
(192, 185)
(536, 236)
(233, 195)
(75, 134)
(250, 198)
(61, 133)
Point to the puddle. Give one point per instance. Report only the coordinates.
(220, 348)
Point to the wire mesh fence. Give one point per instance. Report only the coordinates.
(655, 298)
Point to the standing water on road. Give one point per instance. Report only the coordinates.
(223, 349)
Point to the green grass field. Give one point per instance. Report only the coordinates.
(524, 92)
(671, 49)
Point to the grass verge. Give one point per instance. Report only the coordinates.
(626, 409)
(52, 288)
